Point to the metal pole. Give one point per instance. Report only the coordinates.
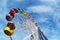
(11, 38)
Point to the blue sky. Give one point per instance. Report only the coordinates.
(45, 12)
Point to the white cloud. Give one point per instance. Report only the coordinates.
(49, 32)
(3, 9)
(57, 19)
(42, 20)
(54, 37)
(50, 1)
(3, 3)
(17, 0)
(3, 38)
(39, 9)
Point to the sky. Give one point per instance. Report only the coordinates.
(45, 12)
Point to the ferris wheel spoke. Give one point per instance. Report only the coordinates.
(29, 35)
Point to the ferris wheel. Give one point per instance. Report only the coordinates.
(26, 24)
